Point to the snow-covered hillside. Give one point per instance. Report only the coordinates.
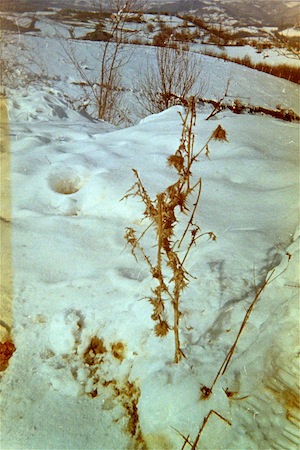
(88, 371)
(49, 55)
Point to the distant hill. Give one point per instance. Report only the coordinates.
(275, 13)
(250, 12)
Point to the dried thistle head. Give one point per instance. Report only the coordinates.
(219, 134)
(205, 392)
(176, 161)
(161, 329)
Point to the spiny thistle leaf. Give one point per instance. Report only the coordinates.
(207, 152)
(212, 236)
(158, 308)
(131, 239)
(130, 236)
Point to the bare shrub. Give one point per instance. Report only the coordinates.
(197, 21)
(111, 62)
(136, 18)
(175, 76)
(163, 37)
(103, 94)
(289, 47)
(136, 41)
(19, 66)
(185, 36)
(150, 27)
(6, 67)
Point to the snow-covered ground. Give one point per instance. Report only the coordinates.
(89, 372)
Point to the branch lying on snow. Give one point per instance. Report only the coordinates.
(238, 107)
(194, 445)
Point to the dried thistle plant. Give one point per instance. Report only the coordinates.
(164, 212)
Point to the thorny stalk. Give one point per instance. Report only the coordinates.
(167, 210)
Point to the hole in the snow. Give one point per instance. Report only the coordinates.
(67, 180)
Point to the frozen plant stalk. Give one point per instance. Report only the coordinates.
(167, 213)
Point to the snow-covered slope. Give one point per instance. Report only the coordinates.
(49, 57)
(89, 372)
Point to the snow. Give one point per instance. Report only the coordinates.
(291, 32)
(292, 4)
(270, 56)
(75, 280)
